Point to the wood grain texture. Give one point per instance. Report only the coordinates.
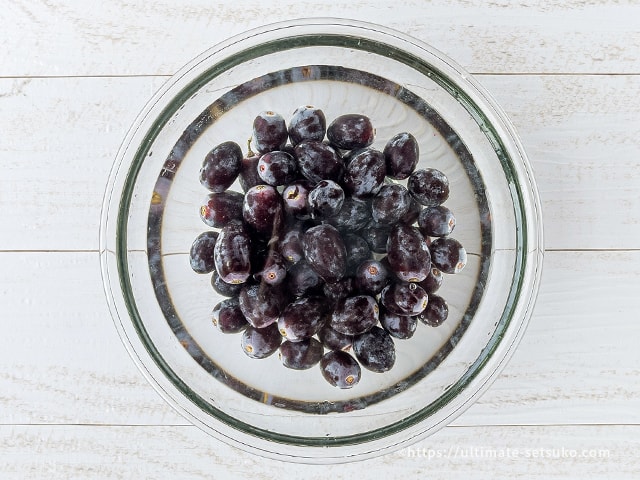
(157, 38)
(63, 362)
(184, 452)
(582, 134)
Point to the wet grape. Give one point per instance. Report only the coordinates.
(301, 355)
(404, 298)
(227, 316)
(436, 221)
(325, 252)
(232, 253)
(390, 204)
(307, 123)
(302, 279)
(326, 199)
(401, 154)
(371, 277)
(269, 132)
(448, 255)
(277, 168)
(318, 161)
(260, 342)
(355, 315)
(221, 208)
(302, 318)
(261, 207)
(340, 369)
(375, 350)
(429, 186)
(408, 253)
(295, 198)
(351, 131)
(261, 304)
(201, 254)
(436, 311)
(221, 167)
(398, 326)
(364, 174)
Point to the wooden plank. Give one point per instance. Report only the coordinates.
(63, 362)
(156, 38)
(455, 453)
(582, 135)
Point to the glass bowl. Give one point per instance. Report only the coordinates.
(162, 308)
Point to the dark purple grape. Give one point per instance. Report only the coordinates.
(413, 213)
(325, 252)
(223, 288)
(274, 269)
(364, 174)
(277, 168)
(358, 251)
(436, 312)
(262, 304)
(232, 253)
(376, 236)
(436, 221)
(302, 279)
(340, 369)
(351, 131)
(227, 316)
(355, 315)
(398, 326)
(201, 254)
(307, 123)
(354, 215)
(433, 281)
(249, 171)
(318, 161)
(301, 355)
(429, 186)
(404, 298)
(333, 339)
(221, 167)
(334, 292)
(401, 154)
(261, 342)
(375, 350)
(371, 277)
(448, 255)
(408, 253)
(390, 204)
(295, 198)
(262, 205)
(326, 199)
(302, 318)
(291, 245)
(269, 132)
(221, 208)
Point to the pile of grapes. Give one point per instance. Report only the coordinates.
(325, 253)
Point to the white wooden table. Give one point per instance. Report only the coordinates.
(73, 76)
